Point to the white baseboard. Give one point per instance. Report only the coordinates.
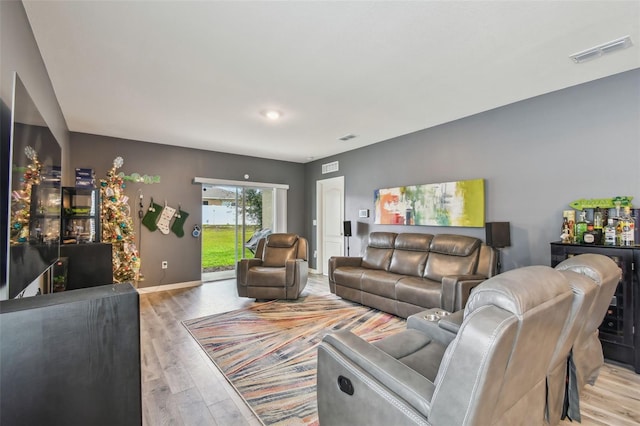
(169, 286)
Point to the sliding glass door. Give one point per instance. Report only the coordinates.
(233, 220)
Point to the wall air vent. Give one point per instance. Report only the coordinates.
(597, 51)
(330, 167)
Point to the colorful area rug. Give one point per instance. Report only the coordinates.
(268, 351)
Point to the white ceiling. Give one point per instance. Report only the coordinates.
(197, 74)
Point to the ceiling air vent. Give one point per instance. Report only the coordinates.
(330, 167)
(597, 51)
(347, 137)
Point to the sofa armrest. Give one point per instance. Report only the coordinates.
(242, 269)
(338, 261)
(456, 290)
(452, 323)
(383, 376)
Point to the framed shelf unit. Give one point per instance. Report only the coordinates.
(80, 215)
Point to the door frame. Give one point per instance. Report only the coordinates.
(320, 260)
(279, 200)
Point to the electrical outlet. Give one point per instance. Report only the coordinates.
(164, 264)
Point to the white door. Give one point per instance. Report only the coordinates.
(330, 213)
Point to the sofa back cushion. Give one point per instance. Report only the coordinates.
(279, 248)
(378, 252)
(452, 255)
(410, 254)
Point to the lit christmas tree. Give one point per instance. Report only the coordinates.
(117, 226)
(21, 199)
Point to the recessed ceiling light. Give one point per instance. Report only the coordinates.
(597, 51)
(271, 114)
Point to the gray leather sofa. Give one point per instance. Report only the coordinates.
(406, 273)
(279, 269)
(506, 363)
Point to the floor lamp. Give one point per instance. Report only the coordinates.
(498, 236)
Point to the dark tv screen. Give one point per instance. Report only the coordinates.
(32, 207)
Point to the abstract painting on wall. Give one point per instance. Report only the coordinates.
(459, 203)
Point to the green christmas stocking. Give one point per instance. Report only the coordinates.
(178, 224)
(151, 217)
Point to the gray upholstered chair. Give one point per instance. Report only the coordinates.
(586, 357)
(493, 371)
(584, 293)
(279, 269)
(593, 279)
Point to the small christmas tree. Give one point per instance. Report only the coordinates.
(21, 199)
(117, 226)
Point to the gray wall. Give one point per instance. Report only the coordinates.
(177, 167)
(536, 156)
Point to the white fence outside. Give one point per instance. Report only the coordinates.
(222, 215)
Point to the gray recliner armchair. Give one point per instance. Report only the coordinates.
(586, 356)
(493, 371)
(279, 269)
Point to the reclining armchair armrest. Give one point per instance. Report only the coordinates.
(431, 329)
(297, 271)
(452, 323)
(399, 379)
(456, 290)
(242, 269)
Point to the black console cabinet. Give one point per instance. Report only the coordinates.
(89, 265)
(71, 358)
(620, 330)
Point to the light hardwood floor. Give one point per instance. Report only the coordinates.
(181, 386)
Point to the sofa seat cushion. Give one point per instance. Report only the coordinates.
(415, 350)
(381, 283)
(419, 291)
(261, 276)
(349, 276)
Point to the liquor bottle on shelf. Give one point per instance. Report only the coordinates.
(627, 236)
(598, 221)
(581, 227)
(619, 223)
(598, 225)
(590, 236)
(610, 233)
